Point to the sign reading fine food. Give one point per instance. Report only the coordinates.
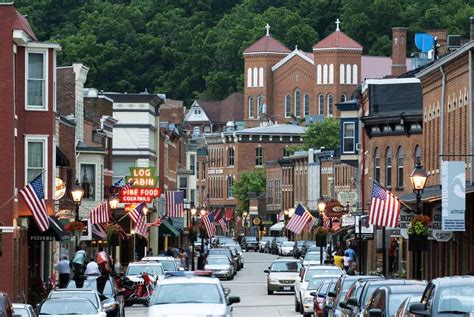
(453, 192)
(144, 186)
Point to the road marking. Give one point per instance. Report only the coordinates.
(246, 284)
(250, 306)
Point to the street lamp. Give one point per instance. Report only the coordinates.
(77, 192)
(245, 215)
(321, 208)
(201, 258)
(193, 213)
(418, 181)
(132, 232)
(114, 202)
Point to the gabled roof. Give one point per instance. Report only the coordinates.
(296, 52)
(21, 23)
(229, 109)
(336, 40)
(267, 44)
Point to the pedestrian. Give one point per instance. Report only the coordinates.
(182, 257)
(169, 252)
(350, 253)
(64, 272)
(352, 269)
(338, 258)
(175, 251)
(92, 268)
(346, 260)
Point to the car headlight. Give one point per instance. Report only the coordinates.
(308, 300)
(273, 280)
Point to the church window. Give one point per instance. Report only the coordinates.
(249, 77)
(343, 97)
(325, 74)
(297, 103)
(260, 77)
(319, 75)
(331, 73)
(348, 74)
(342, 71)
(287, 106)
(255, 77)
(259, 106)
(330, 104)
(354, 74)
(306, 104)
(251, 107)
(321, 104)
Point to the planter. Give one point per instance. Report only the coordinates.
(321, 240)
(417, 243)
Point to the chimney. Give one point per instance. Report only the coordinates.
(441, 36)
(399, 51)
(471, 20)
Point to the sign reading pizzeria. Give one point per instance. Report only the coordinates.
(144, 188)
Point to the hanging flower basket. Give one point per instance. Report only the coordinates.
(74, 226)
(418, 233)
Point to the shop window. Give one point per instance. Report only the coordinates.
(88, 181)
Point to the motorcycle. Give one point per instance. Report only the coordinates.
(135, 293)
(127, 288)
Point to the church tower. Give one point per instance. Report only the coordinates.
(259, 59)
(337, 62)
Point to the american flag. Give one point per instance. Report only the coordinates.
(299, 220)
(99, 231)
(208, 221)
(141, 227)
(223, 224)
(100, 214)
(136, 212)
(310, 224)
(384, 207)
(327, 222)
(128, 185)
(155, 223)
(122, 234)
(207, 202)
(175, 204)
(34, 197)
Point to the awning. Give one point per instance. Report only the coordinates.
(55, 232)
(61, 158)
(431, 194)
(278, 226)
(166, 229)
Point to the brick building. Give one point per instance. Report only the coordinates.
(28, 69)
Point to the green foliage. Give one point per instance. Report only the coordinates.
(249, 181)
(322, 134)
(193, 48)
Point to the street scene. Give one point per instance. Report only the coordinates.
(237, 158)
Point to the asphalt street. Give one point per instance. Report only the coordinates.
(251, 285)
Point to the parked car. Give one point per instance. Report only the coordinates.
(446, 296)
(279, 242)
(168, 262)
(282, 275)
(274, 246)
(386, 300)
(89, 294)
(24, 310)
(286, 248)
(225, 252)
(250, 243)
(313, 258)
(306, 273)
(238, 254)
(6, 309)
(307, 299)
(297, 249)
(321, 298)
(220, 266)
(405, 305)
(263, 243)
(69, 306)
(306, 245)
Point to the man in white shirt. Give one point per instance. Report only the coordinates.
(64, 272)
(92, 269)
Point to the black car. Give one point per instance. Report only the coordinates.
(106, 288)
(250, 243)
(298, 248)
(306, 245)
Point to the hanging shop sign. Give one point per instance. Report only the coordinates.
(60, 189)
(453, 193)
(405, 218)
(363, 230)
(434, 231)
(348, 220)
(144, 177)
(334, 209)
(347, 197)
(144, 188)
(257, 221)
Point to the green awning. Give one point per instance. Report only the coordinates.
(166, 229)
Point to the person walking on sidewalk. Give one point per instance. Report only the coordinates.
(64, 272)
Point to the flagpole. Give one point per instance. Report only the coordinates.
(401, 201)
(384, 252)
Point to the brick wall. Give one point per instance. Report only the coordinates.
(66, 91)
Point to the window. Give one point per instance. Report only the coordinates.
(319, 75)
(331, 73)
(192, 163)
(321, 104)
(121, 169)
(197, 111)
(207, 129)
(249, 77)
(36, 81)
(277, 196)
(183, 186)
(269, 191)
(196, 130)
(348, 74)
(230, 156)
(230, 182)
(203, 171)
(343, 97)
(306, 104)
(259, 156)
(88, 181)
(251, 107)
(297, 103)
(400, 158)
(259, 106)
(354, 74)
(330, 104)
(286, 152)
(325, 74)
(260, 77)
(377, 165)
(255, 77)
(349, 137)
(287, 106)
(197, 170)
(388, 168)
(342, 71)
(417, 155)
(36, 160)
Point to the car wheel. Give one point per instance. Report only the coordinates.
(307, 314)
(297, 306)
(269, 292)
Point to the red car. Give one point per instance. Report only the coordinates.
(321, 294)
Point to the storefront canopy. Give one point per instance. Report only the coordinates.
(55, 232)
(166, 229)
(278, 226)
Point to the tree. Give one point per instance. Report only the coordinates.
(253, 181)
(322, 134)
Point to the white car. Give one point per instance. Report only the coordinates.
(220, 266)
(168, 262)
(308, 299)
(54, 307)
(286, 248)
(190, 296)
(153, 269)
(313, 258)
(23, 310)
(306, 273)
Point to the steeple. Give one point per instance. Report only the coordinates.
(337, 24)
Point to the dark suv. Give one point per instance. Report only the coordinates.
(250, 243)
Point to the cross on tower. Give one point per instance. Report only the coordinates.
(268, 29)
(337, 24)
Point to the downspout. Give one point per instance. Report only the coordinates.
(441, 121)
(471, 124)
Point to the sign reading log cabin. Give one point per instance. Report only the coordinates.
(144, 186)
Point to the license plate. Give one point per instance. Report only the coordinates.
(287, 288)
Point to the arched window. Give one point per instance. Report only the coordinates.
(306, 104)
(343, 97)
(342, 71)
(354, 74)
(249, 77)
(251, 107)
(297, 103)
(230, 183)
(259, 106)
(330, 104)
(319, 75)
(400, 159)
(260, 77)
(331, 73)
(287, 106)
(417, 155)
(388, 168)
(255, 77)
(348, 74)
(321, 104)
(230, 156)
(377, 165)
(325, 74)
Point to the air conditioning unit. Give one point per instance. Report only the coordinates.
(358, 146)
(454, 42)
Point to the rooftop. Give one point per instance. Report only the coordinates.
(276, 129)
(267, 44)
(337, 39)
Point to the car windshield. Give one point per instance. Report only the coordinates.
(286, 266)
(266, 238)
(217, 261)
(299, 243)
(150, 269)
(68, 294)
(323, 288)
(288, 244)
(458, 298)
(187, 293)
(23, 312)
(312, 257)
(73, 307)
(315, 283)
(251, 239)
(102, 285)
(320, 271)
(395, 300)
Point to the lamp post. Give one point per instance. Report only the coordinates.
(114, 202)
(132, 232)
(77, 192)
(193, 213)
(418, 181)
(201, 258)
(321, 208)
(245, 215)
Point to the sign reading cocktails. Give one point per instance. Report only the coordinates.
(144, 186)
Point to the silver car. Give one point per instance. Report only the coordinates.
(282, 275)
(24, 310)
(220, 266)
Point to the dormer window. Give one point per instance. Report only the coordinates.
(197, 111)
